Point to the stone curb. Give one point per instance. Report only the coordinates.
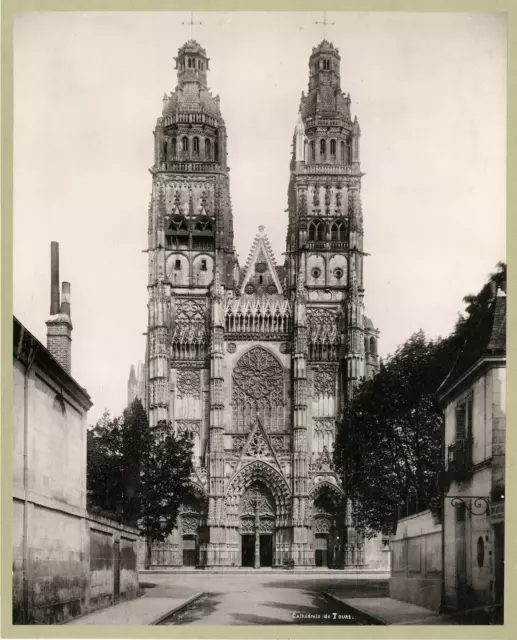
(175, 609)
(309, 572)
(359, 613)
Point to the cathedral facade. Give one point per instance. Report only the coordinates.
(257, 361)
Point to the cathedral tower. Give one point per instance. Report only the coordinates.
(334, 343)
(190, 236)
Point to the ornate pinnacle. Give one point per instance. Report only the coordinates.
(217, 292)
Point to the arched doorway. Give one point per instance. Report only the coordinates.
(194, 534)
(271, 484)
(327, 527)
(257, 526)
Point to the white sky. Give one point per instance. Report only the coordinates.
(429, 91)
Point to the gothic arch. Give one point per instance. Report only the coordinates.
(258, 471)
(326, 486)
(317, 230)
(197, 490)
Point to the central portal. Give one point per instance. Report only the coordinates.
(257, 525)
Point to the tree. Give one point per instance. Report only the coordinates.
(473, 328)
(138, 474)
(104, 469)
(388, 445)
(165, 484)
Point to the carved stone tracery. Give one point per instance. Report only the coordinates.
(258, 447)
(188, 383)
(189, 523)
(189, 333)
(325, 380)
(258, 391)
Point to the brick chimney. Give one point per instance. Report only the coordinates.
(59, 325)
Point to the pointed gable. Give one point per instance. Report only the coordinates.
(260, 275)
(258, 446)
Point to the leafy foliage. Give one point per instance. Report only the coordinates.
(388, 446)
(138, 474)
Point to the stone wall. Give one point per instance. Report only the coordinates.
(113, 562)
(416, 561)
(60, 569)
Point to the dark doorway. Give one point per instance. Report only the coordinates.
(461, 558)
(499, 572)
(320, 552)
(248, 550)
(266, 551)
(116, 570)
(189, 551)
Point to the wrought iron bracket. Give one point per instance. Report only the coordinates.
(475, 505)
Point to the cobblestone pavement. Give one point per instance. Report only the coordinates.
(262, 599)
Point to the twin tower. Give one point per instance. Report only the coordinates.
(257, 361)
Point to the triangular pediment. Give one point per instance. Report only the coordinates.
(260, 276)
(258, 446)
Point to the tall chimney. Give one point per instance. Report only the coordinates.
(65, 299)
(54, 278)
(59, 325)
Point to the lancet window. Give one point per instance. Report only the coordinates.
(337, 231)
(317, 231)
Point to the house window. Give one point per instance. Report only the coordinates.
(323, 148)
(196, 144)
(174, 147)
(203, 265)
(208, 149)
(177, 265)
(333, 148)
(313, 151)
(480, 552)
(184, 143)
(343, 152)
(463, 419)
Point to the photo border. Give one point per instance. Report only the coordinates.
(9, 9)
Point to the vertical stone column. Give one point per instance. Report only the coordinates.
(354, 355)
(216, 517)
(301, 551)
(159, 291)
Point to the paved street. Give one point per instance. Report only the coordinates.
(262, 598)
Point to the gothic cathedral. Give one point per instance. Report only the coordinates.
(256, 362)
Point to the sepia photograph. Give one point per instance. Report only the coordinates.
(259, 318)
